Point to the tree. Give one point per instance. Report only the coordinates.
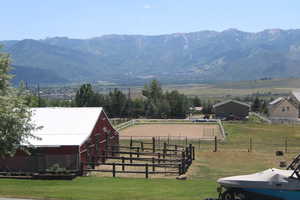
(179, 104)
(196, 102)
(85, 96)
(117, 104)
(256, 105)
(153, 91)
(15, 117)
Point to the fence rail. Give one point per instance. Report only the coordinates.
(174, 159)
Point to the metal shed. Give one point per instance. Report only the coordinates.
(231, 108)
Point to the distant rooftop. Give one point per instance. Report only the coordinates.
(231, 100)
(279, 99)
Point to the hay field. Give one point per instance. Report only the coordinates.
(175, 131)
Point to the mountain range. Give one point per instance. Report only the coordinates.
(205, 56)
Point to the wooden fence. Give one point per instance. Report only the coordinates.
(146, 158)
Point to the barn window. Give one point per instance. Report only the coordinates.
(104, 129)
(283, 109)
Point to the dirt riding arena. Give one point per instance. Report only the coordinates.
(176, 131)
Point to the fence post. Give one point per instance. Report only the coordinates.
(130, 157)
(130, 142)
(103, 156)
(179, 170)
(158, 158)
(286, 145)
(164, 151)
(138, 152)
(153, 167)
(153, 144)
(175, 149)
(168, 139)
(183, 162)
(114, 170)
(123, 166)
(147, 172)
(250, 144)
(193, 153)
(142, 146)
(186, 152)
(159, 142)
(216, 144)
(186, 141)
(190, 152)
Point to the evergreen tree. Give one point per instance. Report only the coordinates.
(117, 104)
(85, 96)
(256, 106)
(153, 91)
(196, 102)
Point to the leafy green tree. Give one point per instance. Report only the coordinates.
(15, 124)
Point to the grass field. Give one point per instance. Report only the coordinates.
(232, 159)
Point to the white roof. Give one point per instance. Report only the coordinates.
(296, 95)
(63, 126)
(279, 99)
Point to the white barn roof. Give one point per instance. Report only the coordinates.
(63, 126)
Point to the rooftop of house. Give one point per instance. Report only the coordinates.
(231, 100)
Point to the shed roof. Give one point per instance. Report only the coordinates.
(231, 100)
(63, 126)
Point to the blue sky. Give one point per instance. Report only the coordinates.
(39, 19)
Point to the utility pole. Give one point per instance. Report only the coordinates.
(39, 95)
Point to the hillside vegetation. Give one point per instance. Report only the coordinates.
(205, 56)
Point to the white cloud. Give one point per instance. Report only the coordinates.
(147, 6)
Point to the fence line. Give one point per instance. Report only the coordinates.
(171, 157)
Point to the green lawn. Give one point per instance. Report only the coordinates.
(232, 159)
(92, 188)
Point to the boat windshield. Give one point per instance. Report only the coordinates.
(295, 165)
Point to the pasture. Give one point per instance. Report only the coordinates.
(232, 158)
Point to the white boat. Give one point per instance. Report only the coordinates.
(271, 184)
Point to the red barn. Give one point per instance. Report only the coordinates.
(67, 136)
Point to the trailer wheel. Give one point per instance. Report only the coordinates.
(228, 195)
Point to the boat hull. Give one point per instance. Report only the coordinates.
(279, 194)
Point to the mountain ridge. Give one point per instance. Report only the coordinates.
(229, 55)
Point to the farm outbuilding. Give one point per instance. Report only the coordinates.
(69, 137)
(283, 109)
(231, 109)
